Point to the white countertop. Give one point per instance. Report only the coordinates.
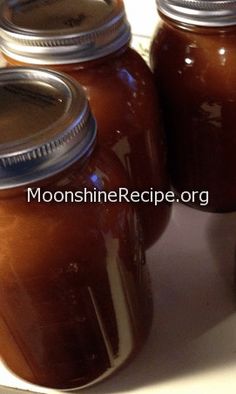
(192, 346)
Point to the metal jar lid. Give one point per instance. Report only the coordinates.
(62, 31)
(209, 13)
(45, 125)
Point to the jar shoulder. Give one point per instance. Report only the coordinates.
(179, 42)
(194, 58)
(124, 67)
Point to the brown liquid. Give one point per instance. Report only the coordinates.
(195, 71)
(74, 293)
(123, 99)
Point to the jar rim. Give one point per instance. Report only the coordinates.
(88, 38)
(205, 13)
(46, 125)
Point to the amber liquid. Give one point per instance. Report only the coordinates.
(196, 79)
(74, 292)
(131, 128)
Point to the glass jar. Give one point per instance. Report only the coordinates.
(75, 300)
(193, 58)
(90, 41)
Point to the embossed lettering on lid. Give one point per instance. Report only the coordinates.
(62, 31)
(45, 125)
(200, 12)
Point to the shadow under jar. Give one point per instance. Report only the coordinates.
(89, 39)
(75, 301)
(194, 61)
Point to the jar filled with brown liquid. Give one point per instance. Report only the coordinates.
(89, 39)
(194, 61)
(75, 300)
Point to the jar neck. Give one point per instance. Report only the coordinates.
(218, 30)
(73, 65)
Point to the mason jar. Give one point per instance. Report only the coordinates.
(193, 58)
(75, 300)
(89, 39)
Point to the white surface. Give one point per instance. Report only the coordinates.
(142, 15)
(192, 346)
